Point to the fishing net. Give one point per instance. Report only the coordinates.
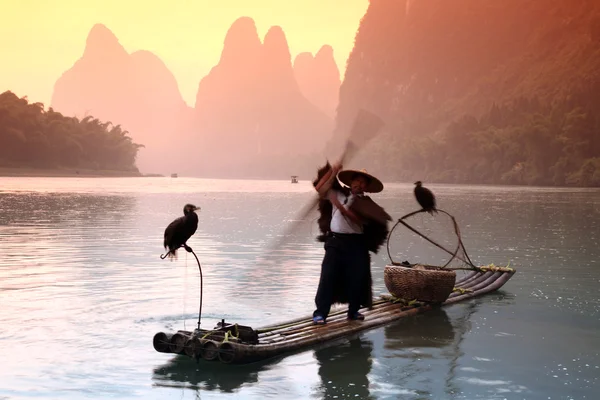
(428, 252)
(427, 241)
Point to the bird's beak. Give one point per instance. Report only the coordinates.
(197, 209)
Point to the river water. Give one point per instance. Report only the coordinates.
(83, 291)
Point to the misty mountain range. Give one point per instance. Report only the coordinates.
(256, 114)
(471, 91)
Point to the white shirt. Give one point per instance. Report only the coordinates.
(341, 223)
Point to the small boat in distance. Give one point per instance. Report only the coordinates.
(173, 175)
(294, 179)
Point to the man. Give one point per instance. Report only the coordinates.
(346, 267)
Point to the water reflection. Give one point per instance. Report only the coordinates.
(344, 369)
(412, 356)
(463, 323)
(432, 329)
(184, 372)
(416, 351)
(463, 326)
(79, 210)
(83, 290)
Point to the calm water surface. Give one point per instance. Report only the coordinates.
(83, 291)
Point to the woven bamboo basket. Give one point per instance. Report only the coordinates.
(422, 282)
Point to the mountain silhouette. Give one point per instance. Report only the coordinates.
(136, 91)
(251, 113)
(250, 119)
(319, 79)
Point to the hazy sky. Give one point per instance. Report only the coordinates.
(42, 38)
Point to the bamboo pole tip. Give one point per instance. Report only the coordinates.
(162, 342)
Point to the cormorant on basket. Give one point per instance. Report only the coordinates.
(425, 198)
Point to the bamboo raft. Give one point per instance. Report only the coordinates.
(232, 343)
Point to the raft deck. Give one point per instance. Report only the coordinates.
(238, 344)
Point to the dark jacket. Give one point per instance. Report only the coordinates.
(375, 234)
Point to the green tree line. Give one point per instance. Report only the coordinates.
(35, 138)
(523, 142)
(489, 92)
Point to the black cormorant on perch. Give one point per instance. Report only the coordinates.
(180, 230)
(425, 198)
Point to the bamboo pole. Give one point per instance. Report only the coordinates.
(227, 353)
(480, 278)
(307, 318)
(342, 317)
(487, 282)
(177, 342)
(338, 320)
(342, 324)
(333, 331)
(287, 326)
(209, 350)
(466, 278)
(476, 280)
(162, 342)
(471, 277)
(193, 346)
(273, 339)
(498, 283)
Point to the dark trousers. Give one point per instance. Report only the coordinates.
(345, 267)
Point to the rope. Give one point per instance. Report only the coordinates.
(461, 290)
(454, 254)
(229, 334)
(189, 250)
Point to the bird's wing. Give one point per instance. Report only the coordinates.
(189, 228)
(172, 230)
(431, 197)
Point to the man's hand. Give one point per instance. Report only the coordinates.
(325, 183)
(336, 167)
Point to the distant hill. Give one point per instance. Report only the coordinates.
(134, 90)
(319, 79)
(251, 112)
(479, 91)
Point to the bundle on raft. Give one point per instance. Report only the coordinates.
(232, 343)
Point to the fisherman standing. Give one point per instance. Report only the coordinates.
(349, 235)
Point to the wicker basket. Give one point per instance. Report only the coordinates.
(424, 283)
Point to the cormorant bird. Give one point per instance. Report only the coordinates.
(180, 230)
(425, 198)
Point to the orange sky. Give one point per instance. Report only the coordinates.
(42, 38)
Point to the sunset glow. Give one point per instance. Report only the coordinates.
(43, 39)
